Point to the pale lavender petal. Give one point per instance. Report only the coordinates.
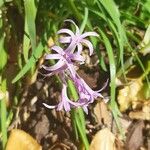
(66, 31)
(106, 99)
(71, 48)
(89, 45)
(85, 109)
(77, 57)
(47, 74)
(58, 65)
(65, 39)
(50, 106)
(53, 56)
(95, 94)
(106, 83)
(80, 48)
(86, 34)
(77, 29)
(64, 99)
(58, 49)
(71, 69)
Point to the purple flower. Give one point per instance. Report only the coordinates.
(76, 39)
(65, 103)
(65, 61)
(86, 94)
(65, 68)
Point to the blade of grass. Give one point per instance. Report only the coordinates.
(3, 115)
(26, 42)
(112, 68)
(31, 62)
(1, 3)
(113, 12)
(84, 22)
(3, 53)
(30, 15)
(74, 9)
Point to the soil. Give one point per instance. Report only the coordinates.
(53, 129)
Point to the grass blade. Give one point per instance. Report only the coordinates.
(113, 12)
(3, 53)
(112, 68)
(26, 42)
(30, 15)
(31, 62)
(84, 20)
(3, 112)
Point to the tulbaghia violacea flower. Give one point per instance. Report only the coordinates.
(86, 94)
(76, 39)
(65, 61)
(65, 103)
(65, 68)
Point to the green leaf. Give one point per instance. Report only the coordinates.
(84, 20)
(30, 16)
(3, 112)
(26, 42)
(112, 68)
(114, 13)
(31, 62)
(1, 3)
(3, 53)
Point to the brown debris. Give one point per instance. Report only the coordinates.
(135, 136)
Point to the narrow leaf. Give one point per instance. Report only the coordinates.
(31, 62)
(30, 15)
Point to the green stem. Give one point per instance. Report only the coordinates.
(78, 118)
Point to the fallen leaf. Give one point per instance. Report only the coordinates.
(103, 115)
(20, 140)
(103, 140)
(50, 42)
(135, 136)
(130, 94)
(144, 114)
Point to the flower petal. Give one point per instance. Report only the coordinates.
(65, 39)
(80, 48)
(50, 106)
(77, 29)
(86, 34)
(106, 83)
(66, 31)
(58, 49)
(57, 66)
(89, 45)
(71, 69)
(77, 57)
(53, 56)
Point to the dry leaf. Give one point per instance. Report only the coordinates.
(103, 140)
(135, 136)
(50, 42)
(144, 114)
(102, 114)
(130, 94)
(20, 140)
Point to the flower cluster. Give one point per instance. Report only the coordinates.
(65, 68)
